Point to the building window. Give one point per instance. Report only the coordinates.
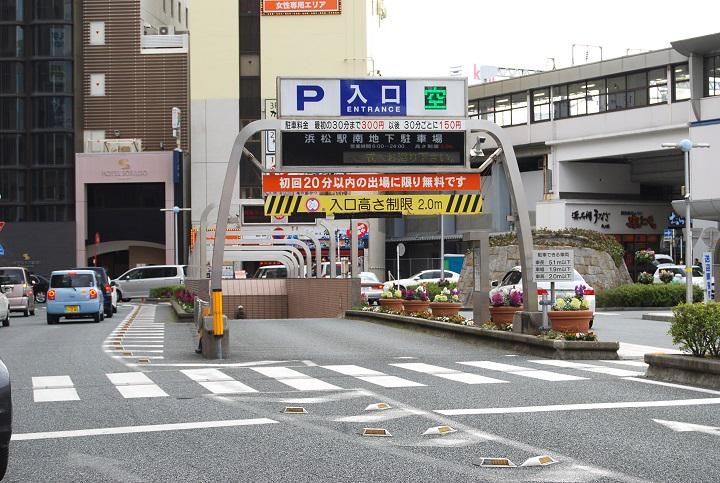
(51, 184)
(179, 12)
(11, 10)
(12, 185)
(711, 82)
(12, 150)
(487, 109)
(681, 82)
(11, 41)
(53, 112)
(12, 78)
(519, 109)
(53, 41)
(52, 10)
(52, 77)
(52, 149)
(12, 114)
(473, 110)
(506, 110)
(52, 213)
(658, 86)
(540, 104)
(560, 102)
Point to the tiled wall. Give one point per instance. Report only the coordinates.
(283, 298)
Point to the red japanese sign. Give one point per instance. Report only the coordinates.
(301, 7)
(304, 183)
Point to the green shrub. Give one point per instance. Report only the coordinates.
(640, 295)
(165, 292)
(696, 327)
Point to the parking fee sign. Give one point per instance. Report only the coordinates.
(553, 265)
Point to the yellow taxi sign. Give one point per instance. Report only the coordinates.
(457, 204)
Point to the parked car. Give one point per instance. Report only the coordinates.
(109, 292)
(137, 282)
(74, 294)
(424, 276)
(5, 418)
(678, 272)
(271, 271)
(40, 287)
(513, 281)
(663, 258)
(21, 295)
(4, 307)
(371, 287)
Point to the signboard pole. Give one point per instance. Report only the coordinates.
(442, 247)
(354, 244)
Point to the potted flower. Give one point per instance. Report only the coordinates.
(571, 314)
(503, 306)
(666, 276)
(392, 300)
(446, 303)
(416, 300)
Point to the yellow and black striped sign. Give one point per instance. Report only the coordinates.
(280, 205)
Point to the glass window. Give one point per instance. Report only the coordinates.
(711, 85)
(596, 99)
(513, 277)
(11, 41)
(11, 10)
(616, 93)
(637, 89)
(52, 113)
(52, 149)
(12, 185)
(681, 83)
(487, 109)
(169, 272)
(12, 78)
(72, 280)
(52, 77)
(657, 86)
(12, 149)
(249, 33)
(53, 213)
(560, 102)
(519, 108)
(541, 104)
(12, 114)
(576, 96)
(51, 184)
(473, 110)
(52, 9)
(53, 41)
(502, 111)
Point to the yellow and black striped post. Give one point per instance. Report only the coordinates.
(217, 307)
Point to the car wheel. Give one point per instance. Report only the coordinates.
(32, 312)
(26, 313)
(4, 453)
(96, 317)
(114, 309)
(109, 313)
(40, 297)
(52, 319)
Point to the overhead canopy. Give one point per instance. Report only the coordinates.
(700, 209)
(707, 44)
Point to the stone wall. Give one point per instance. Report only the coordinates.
(596, 267)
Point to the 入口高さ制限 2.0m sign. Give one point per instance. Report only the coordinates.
(276, 205)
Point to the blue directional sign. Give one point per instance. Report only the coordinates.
(2, 250)
(373, 97)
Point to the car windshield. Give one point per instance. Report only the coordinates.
(513, 277)
(71, 280)
(8, 277)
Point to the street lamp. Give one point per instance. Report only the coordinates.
(685, 145)
(175, 210)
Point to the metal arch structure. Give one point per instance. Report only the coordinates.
(293, 253)
(247, 243)
(269, 253)
(512, 173)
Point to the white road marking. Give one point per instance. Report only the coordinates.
(134, 351)
(217, 382)
(670, 384)
(133, 346)
(522, 371)
(373, 377)
(212, 364)
(636, 350)
(141, 429)
(135, 385)
(380, 416)
(629, 363)
(135, 357)
(295, 379)
(54, 388)
(445, 373)
(581, 366)
(581, 407)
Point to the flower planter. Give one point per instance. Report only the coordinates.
(503, 314)
(415, 306)
(445, 309)
(572, 321)
(392, 304)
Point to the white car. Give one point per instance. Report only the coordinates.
(678, 272)
(371, 287)
(424, 276)
(4, 307)
(513, 281)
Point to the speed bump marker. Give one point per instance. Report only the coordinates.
(127, 353)
(495, 463)
(440, 430)
(543, 460)
(378, 407)
(144, 360)
(295, 410)
(376, 432)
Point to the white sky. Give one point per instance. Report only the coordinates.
(425, 37)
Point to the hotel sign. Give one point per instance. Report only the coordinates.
(124, 170)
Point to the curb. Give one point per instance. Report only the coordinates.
(658, 317)
(685, 369)
(552, 349)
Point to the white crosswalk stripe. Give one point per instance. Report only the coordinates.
(373, 377)
(54, 388)
(445, 373)
(135, 385)
(295, 379)
(217, 382)
(581, 366)
(522, 371)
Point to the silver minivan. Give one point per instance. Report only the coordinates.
(20, 296)
(137, 282)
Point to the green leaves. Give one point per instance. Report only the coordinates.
(641, 295)
(696, 327)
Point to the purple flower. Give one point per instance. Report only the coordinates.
(497, 299)
(454, 292)
(580, 290)
(516, 298)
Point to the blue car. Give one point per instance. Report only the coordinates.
(74, 294)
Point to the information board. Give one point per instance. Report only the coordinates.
(553, 265)
(427, 182)
(708, 276)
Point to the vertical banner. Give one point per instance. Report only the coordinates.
(708, 276)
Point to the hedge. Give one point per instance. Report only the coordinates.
(696, 327)
(641, 295)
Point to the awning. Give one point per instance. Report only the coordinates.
(699, 209)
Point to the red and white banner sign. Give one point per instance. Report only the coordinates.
(303, 183)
